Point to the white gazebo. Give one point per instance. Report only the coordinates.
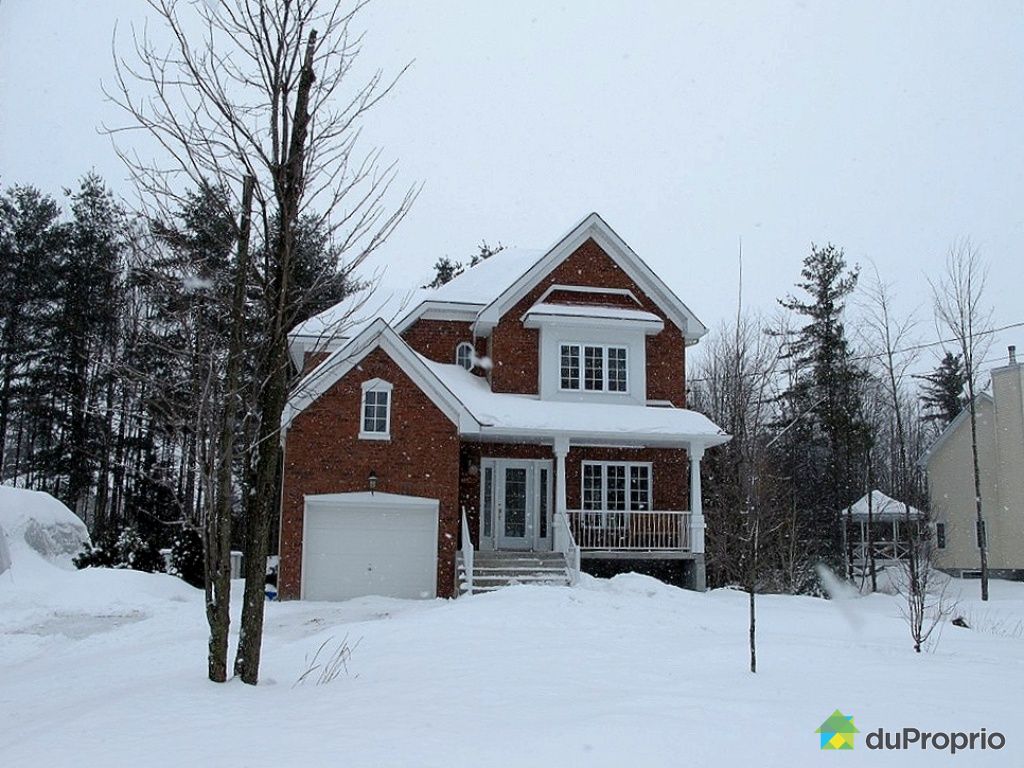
(888, 519)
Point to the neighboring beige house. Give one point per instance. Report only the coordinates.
(948, 462)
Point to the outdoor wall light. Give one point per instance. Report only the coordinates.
(373, 480)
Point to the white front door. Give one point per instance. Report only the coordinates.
(516, 497)
(515, 510)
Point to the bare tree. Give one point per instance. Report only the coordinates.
(261, 89)
(923, 589)
(890, 337)
(959, 311)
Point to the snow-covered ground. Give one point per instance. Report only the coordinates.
(107, 668)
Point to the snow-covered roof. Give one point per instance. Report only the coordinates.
(400, 306)
(593, 227)
(476, 287)
(482, 293)
(883, 508)
(506, 414)
(469, 402)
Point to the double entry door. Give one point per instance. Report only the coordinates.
(515, 504)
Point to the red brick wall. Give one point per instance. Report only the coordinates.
(514, 348)
(324, 455)
(437, 339)
(670, 472)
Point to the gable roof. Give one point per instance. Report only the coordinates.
(483, 293)
(466, 294)
(596, 228)
(377, 334)
(951, 429)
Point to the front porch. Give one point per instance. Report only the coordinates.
(585, 501)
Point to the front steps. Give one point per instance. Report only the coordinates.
(494, 570)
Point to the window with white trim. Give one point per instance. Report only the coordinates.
(593, 368)
(613, 489)
(375, 413)
(464, 354)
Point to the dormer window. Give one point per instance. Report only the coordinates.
(464, 354)
(375, 421)
(594, 368)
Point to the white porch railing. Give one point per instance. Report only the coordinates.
(613, 531)
(467, 553)
(565, 543)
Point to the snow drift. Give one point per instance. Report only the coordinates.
(40, 522)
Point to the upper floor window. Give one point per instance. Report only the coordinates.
(593, 368)
(464, 354)
(375, 414)
(940, 535)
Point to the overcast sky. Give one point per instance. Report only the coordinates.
(890, 129)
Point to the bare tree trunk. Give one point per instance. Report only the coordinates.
(217, 533)
(274, 392)
(871, 529)
(982, 533)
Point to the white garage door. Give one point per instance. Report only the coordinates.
(369, 544)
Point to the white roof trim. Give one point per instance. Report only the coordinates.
(593, 226)
(377, 335)
(587, 289)
(605, 438)
(952, 427)
(590, 316)
(362, 498)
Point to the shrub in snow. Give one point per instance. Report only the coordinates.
(187, 557)
(123, 549)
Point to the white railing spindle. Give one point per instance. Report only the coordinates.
(467, 553)
(641, 531)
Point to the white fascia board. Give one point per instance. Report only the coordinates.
(377, 335)
(588, 289)
(446, 310)
(497, 434)
(534, 319)
(950, 429)
(593, 226)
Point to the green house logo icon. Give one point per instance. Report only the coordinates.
(837, 732)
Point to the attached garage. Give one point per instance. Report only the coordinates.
(356, 544)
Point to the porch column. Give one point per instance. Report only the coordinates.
(696, 453)
(697, 578)
(561, 523)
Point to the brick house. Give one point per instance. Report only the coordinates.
(526, 419)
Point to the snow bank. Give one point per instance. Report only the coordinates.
(40, 522)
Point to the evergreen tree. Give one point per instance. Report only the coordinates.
(31, 242)
(446, 270)
(943, 391)
(821, 408)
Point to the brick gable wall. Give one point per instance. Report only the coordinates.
(437, 339)
(514, 348)
(323, 454)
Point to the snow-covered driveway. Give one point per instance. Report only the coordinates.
(106, 668)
